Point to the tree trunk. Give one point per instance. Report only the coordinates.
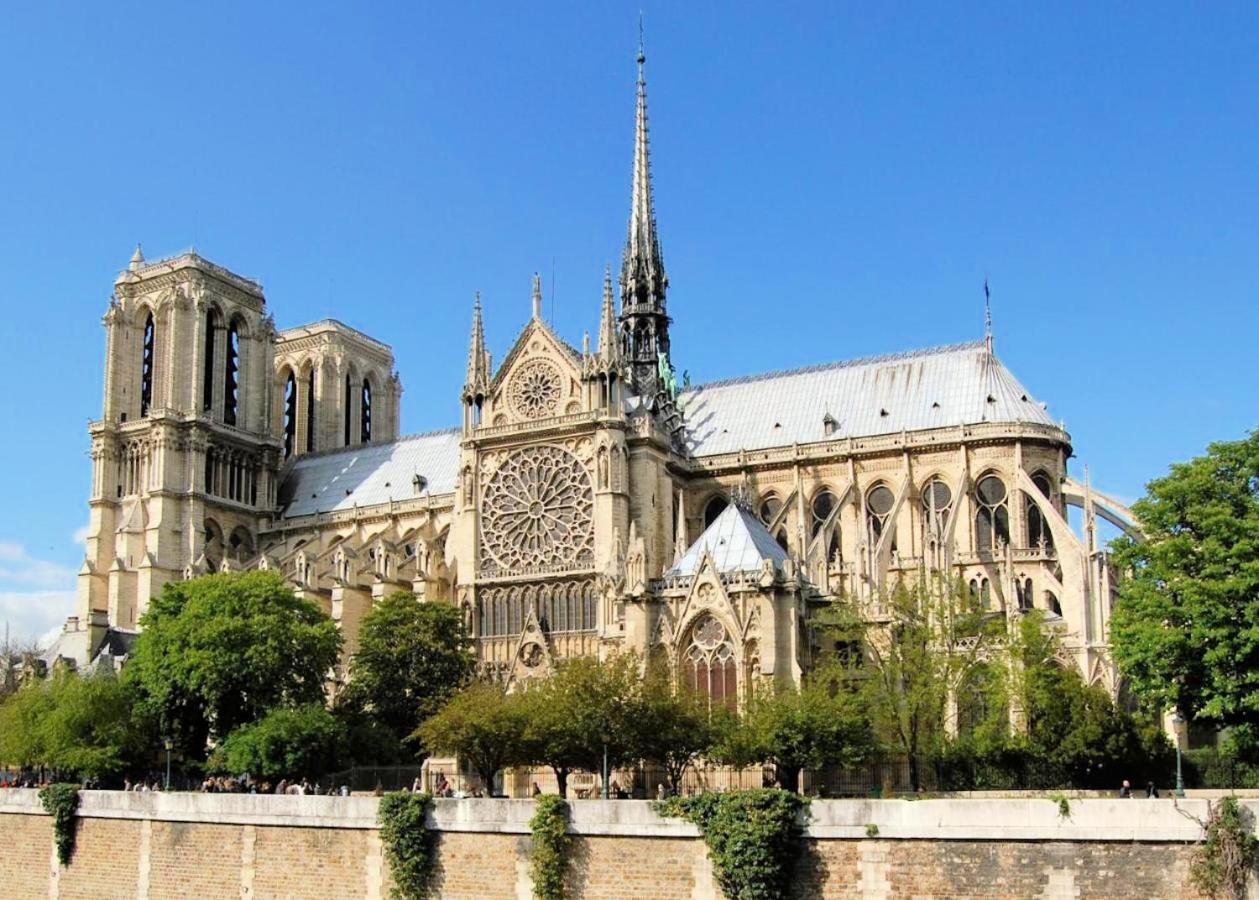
(561, 778)
(789, 778)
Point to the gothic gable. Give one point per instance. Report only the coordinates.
(539, 379)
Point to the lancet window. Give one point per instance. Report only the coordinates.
(349, 408)
(231, 375)
(365, 416)
(147, 361)
(708, 663)
(714, 508)
(820, 510)
(310, 411)
(207, 369)
(1038, 533)
(771, 506)
(992, 516)
(560, 607)
(937, 503)
(879, 503)
(290, 415)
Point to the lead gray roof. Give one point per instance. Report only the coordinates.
(371, 474)
(960, 384)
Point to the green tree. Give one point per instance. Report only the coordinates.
(484, 725)
(80, 725)
(220, 651)
(673, 726)
(303, 741)
(820, 724)
(412, 656)
(585, 706)
(936, 637)
(1185, 629)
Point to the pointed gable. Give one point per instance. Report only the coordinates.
(737, 541)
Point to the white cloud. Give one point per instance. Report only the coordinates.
(81, 533)
(36, 595)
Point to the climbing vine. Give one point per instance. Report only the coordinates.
(1229, 852)
(408, 843)
(754, 837)
(61, 801)
(548, 857)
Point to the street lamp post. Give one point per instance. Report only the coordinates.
(605, 766)
(169, 747)
(1178, 722)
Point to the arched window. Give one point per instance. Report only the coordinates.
(147, 361)
(207, 369)
(231, 375)
(1023, 588)
(349, 409)
(290, 415)
(992, 518)
(937, 501)
(1052, 604)
(1038, 533)
(770, 508)
(820, 510)
(310, 411)
(715, 507)
(708, 664)
(365, 416)
(879, 503)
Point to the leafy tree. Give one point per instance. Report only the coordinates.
(819, 725)
(674, 726)
(220, 651)
(481, 723)
(938, 635)
(85, 725)
(412, 656)
(286, 742)
(1185, 629)
(585, 706)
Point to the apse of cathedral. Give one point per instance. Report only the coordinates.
(586, 503)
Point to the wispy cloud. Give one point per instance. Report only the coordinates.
(35, 594)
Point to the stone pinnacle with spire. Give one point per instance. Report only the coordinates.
(537, 296)
(609, 346)
(644, 282)
(478, 360)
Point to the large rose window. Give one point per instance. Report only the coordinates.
(534, 391)
(537, 511)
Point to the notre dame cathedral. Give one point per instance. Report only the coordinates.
(586, 502)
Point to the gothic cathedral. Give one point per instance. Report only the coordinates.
(587, 503)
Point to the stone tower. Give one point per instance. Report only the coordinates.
(184, 461)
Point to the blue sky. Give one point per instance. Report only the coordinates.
(831, 181)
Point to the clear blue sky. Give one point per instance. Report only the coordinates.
(831, 181)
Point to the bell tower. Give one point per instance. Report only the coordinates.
(183, 460)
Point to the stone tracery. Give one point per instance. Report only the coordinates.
(534, 391)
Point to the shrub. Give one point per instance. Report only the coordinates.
(408, 842)
(61, 801)
(548, 856)
(753, 837)
(1229, 852)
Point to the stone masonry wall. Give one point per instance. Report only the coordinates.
(210, 846)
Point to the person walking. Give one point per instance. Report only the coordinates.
(1125, 792)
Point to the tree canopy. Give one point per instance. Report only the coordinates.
(220, 651)
(412, 656)
(483, 724)
(1185, 629)
(286, 742)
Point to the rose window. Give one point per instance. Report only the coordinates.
(537, 511)
(535, 390)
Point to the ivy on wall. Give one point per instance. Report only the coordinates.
(548, 857)
(61, 801)
(754, 837)
(408, 842)
(1229, 852)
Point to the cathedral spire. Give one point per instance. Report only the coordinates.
(478, 378)
(643, 279)
(608, 344)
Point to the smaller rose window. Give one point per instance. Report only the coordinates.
(535, 390)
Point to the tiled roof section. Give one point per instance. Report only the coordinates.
(370, 474)
(960, 384)
(737, 541)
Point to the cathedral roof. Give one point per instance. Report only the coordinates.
(371, 474)
(960, 384)
(737, 542)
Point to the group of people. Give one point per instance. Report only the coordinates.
(245, 785)
(1125, 791)
(443, 788)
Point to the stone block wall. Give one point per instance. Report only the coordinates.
(156, 846)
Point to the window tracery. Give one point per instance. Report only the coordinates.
(992, 517)
(820, 511)
(937, 504)
(559, 608)
(879, 503)
(537, 512)
(1038, 532)
(708, 663)
(534, 391)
